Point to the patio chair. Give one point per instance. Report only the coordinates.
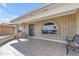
(72, 43)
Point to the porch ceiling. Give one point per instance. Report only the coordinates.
(52, 16)
(49, 16)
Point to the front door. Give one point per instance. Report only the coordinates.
(31, 29)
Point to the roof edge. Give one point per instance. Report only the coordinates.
(34, 10)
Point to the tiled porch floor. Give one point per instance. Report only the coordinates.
(34, 47)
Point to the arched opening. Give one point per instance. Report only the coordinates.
(49, 28)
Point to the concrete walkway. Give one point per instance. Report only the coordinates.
(38, 47)
(8, 50)
(35, 47)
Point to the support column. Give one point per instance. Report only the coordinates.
(77, 21)
(16, 30)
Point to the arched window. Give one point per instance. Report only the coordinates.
(49, 28)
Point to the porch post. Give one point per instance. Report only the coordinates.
(77, 21)
(16, 31)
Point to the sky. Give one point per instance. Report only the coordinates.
(9, 11)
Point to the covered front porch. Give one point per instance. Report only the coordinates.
(52, 22)
(65, 25)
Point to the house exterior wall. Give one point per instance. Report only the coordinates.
(25, 28)
(6, 30)
(66, 27)
(77, 22)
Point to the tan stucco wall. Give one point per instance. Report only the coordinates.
(66, 27)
